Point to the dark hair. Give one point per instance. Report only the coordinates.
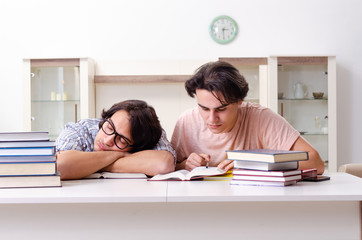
(221, 78)
(146, 129)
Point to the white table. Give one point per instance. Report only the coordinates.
(139, 209)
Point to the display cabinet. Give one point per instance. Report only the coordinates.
(57, 91)
(255, 71)
(303, 91)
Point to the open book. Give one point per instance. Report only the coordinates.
(185, 175)
(117, 175)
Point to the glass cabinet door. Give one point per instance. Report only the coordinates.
(57, 91)
(303, 100)
(54, 98)
(255, 71)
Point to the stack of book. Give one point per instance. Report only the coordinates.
(266, 167)
(27, 159)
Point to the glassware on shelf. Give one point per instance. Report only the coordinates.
(324, 125)
(317, 122)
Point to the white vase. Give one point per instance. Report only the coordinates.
(299, 90)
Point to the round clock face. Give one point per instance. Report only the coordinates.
(223, 29)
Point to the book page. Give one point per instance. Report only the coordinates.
(117, 175)
(177, 175)
(202, 171)
(183, 174)
(124, 175)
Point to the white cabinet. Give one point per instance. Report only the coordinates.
(286, 85)
(57, 91)
(293, 80)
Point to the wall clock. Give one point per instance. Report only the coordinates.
(223, 29)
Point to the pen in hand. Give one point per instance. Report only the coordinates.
(204, 158)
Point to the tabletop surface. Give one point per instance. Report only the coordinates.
(341, 187)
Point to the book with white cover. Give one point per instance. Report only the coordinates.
(267, 155)
(292, 165)
(30, 181)
(28, 168)
(24, 159)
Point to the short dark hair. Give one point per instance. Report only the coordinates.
(146, 129)
(219, 77)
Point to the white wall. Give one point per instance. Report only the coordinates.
(112, 30)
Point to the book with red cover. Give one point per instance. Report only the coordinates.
(297, 177)
(309, 173)
(237, 171)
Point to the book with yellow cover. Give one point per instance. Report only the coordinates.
(224, 177)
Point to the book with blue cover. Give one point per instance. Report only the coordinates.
(28, 151)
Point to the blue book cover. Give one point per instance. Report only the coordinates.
(27, 151)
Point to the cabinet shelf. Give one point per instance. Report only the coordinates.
(303, 99)
(55, 101)
(313, 134)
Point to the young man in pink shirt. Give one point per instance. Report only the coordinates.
(222, 121)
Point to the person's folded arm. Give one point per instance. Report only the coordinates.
(315, 161)
(74, 164)
(161, 159)
(149, 162)
(181, 165)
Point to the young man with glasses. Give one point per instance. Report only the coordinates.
(128, 138)
(223, 121)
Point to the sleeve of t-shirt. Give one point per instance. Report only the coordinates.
(165, 145)
(177, 140)
(73, 137)
(277, 133)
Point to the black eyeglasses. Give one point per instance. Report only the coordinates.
(119, 140)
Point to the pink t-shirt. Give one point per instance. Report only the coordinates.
(256, 127)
